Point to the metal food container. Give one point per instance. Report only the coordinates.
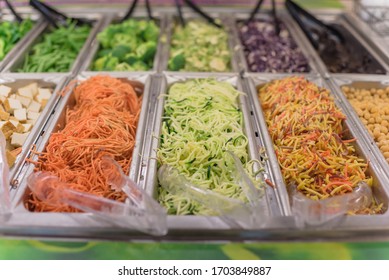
(340, 20)
(55, 83)
(373, 29)
(191, 225)
(173, 21)
(73, 224)
(293, 30)
(25, 40)
(113, 18)
(17, 61)
(349, 224)
(362, 82)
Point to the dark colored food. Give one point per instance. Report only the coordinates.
(265, 51)
(347, 57)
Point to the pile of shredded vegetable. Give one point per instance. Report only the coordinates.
(310, 141)
(202, 120)
(102, 122)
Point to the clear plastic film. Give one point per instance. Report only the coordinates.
(310, 212)
(139, 212)
(5, 204)
(229, 209)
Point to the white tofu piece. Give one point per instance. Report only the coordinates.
(15, 123)
(21, 115)
(43, 96)
(32, 115)
(32, 122)
(24, 100)
(29, 91)
(34, 106)
(5, 91)
(11, 104)
(18, 139)
(27, 127)
(2, 98)
(13, 96)
(4, 115)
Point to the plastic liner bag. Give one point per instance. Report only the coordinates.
(5, 203)
(139, 212)
(316, 213)
(232, 211)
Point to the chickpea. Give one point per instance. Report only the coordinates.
(380, 92)
(384, 129)
(346, 89)
(385, 148)
(366, 115)
(386, 155)
(385, 123)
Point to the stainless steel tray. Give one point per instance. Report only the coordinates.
(81, 224)
(25, 40)
(55, 82)
(380, 188)
(361, 81)
(171, 21)
(337, 18)
(193, 223)
(112, 18)
(293, 30)
(18, 60)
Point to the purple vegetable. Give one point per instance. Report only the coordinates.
(267, 52)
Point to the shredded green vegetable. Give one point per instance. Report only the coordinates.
(57, 51)
(202, 120)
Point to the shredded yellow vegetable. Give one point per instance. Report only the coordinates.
(311, 144)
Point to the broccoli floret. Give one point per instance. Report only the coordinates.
(106, 63)
(177, 62)
(146, 51)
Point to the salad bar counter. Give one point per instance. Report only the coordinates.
(178, 128)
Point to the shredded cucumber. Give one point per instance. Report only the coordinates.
(202, 120)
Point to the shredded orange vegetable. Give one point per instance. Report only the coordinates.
(311, 144)
(102, 122)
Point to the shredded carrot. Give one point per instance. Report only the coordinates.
(102, 122)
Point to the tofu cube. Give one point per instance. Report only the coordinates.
(15, 123)
(5, 91)
(32, 115)
(43, 96)
(8, 129)
(32, 122)
(18, 139)
(4, 116)
(34, 107)
(21, 115)
(24, 100)
(27, 127)
(11, 104)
